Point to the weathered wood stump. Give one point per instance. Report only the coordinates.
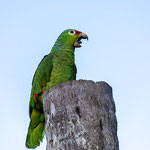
(80, 115)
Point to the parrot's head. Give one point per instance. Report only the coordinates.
(71, 37)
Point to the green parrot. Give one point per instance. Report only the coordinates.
(56, 67)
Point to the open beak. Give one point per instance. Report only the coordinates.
(78, 41)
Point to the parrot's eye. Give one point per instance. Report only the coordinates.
(72, 32)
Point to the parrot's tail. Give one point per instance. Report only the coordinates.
(36, 129)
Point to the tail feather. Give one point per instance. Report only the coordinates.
(36, 130)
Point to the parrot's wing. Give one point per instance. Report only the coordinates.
(42, 74)
(41, 77)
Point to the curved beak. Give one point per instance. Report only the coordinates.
(78, 41)
(83, 36)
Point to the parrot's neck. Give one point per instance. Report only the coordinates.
(62, 46)
(63, 51)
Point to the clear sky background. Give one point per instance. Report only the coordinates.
(118, 52)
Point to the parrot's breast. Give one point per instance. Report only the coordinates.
(63, 70)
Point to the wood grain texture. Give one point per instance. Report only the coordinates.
(80, 115)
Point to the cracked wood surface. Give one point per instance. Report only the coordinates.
(80, 115)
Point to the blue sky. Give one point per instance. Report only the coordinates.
(118, 52)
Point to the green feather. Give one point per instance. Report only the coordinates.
(56, 67)
(36, 129)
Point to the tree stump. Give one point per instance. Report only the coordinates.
(80, 115)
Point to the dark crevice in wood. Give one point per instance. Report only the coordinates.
(78, 111)
(101, 126)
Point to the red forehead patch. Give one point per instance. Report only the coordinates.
(77, 32)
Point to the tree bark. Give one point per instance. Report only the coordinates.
(80, 115)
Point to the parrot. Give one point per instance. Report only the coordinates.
(56, 67)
